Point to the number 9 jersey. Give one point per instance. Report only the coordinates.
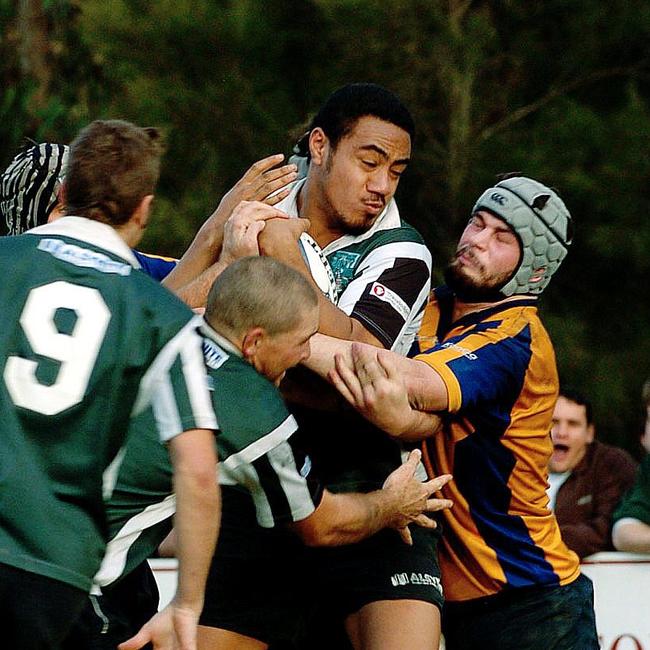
(87, 342)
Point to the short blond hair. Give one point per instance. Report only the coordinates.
(259, 292)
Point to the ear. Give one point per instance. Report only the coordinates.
(318, 145)
(58, 210)
(141, 213)
(252, 341)
(538, 274)
(591, 433)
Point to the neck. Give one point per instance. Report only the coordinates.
(313, 205)
(463, 308)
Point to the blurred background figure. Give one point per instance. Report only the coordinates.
(631, 531)
(587, 478)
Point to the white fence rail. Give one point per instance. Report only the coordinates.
(622, 596)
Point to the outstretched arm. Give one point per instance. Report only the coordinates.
(351, 517)
(397, 394)
(240, 233)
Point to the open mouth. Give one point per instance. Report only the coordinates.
(560, 448)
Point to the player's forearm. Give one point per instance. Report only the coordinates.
(195, 293)
(336, 323)
(348, 518)
(322, 351)
(632, 537)
(198, 510)
(201, 254)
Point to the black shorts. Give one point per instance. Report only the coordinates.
(37, 611)
(119, 613)
(256, 584)
(381, 567)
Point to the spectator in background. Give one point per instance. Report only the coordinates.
(587, 478)
(631, 531)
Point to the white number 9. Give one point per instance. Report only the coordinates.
(77, 351)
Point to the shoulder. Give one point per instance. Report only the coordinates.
(613, 457)
(403, 233)
(243, 397)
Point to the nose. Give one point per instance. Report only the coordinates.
(479, 238)
(381, 183)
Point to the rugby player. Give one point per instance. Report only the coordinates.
(87, 343)
(481, 392)
(358, 146)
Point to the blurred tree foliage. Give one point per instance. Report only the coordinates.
(558, 90)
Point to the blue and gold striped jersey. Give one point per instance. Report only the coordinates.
(499, 368)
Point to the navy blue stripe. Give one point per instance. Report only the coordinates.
(483, 466)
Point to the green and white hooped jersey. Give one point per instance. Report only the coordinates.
(87, 342)
(256, 452)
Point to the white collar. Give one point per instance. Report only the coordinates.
(92, 232)
(387, 220)
(227, 346)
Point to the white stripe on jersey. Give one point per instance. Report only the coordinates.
(165, 410)
(294, 486)
(117, 549)
(262, 445)
(197, 384)
(109, 477)
(377, 262)
(155, 386)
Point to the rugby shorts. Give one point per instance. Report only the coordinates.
(256, 585)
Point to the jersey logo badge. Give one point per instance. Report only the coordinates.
(343, 264)
(306, 467)
(385, 294)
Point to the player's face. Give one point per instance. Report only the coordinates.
(361, 175)
(487, 254)
(282, 351)
(570, 435)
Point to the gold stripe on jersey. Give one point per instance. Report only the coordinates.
(499, 369)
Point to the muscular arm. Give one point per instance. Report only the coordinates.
(351, 517)
(280, 240)
(198, 509)
(240, 234)
(196, 524)
(397, 394)
(263, 181)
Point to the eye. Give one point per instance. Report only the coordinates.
(506, 237)
(370, 164)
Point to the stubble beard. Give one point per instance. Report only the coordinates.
(473, 289)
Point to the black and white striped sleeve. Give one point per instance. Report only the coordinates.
(389, 293)
(176, 386)
(280, 480)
